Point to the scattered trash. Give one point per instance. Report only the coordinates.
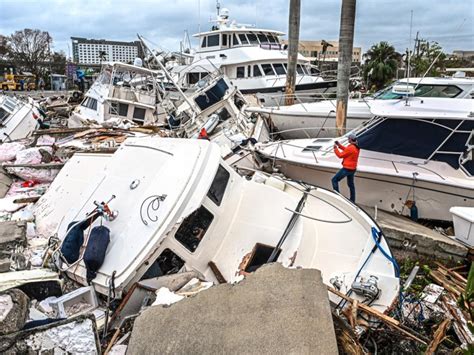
(82, 300)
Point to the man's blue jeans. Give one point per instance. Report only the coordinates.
(341, 174)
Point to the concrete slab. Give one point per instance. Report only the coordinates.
(410, 237)
(5, 182)
(273, 311)
(12, 235)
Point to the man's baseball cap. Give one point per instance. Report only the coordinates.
(352, 137)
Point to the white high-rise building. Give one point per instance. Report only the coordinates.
(96, 51)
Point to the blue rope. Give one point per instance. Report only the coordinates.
(375, 234)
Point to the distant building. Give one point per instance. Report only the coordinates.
(313, 50)
(464, 54)
(96, 51)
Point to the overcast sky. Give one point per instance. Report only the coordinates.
(450, 22)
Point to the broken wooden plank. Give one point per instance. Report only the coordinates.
(217, 273)
(438, 277)
(438, 336)
(30, 199)
(453, 274)
(35, 166)
(383, 317)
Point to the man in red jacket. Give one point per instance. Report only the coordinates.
(349, 156)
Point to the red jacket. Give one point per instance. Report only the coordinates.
(349, 155)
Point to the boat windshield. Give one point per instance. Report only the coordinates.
(422, 90)
(3, 115)
(444, 140)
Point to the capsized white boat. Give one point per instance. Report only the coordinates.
(418, 150)
(18, 118)
(318, 119)
(186, 209)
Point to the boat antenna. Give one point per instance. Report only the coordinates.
(409, 57)
(218, 7)
(199, 16)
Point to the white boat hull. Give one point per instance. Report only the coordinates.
(388, 193)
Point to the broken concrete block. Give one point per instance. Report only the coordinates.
(273, 311)
(5, 265)
(12, 235)
(13, 311)
(5, 182)
(71, 336)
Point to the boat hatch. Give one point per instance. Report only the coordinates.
(312, 148)
(322, 140)
(191, 232)
(260, 255)
(166, 264)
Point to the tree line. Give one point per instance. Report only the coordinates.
(382, 62)
(30, 50)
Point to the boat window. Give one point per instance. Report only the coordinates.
(252, 38)
(262, 38)
(204, 42)
(218, 186)
(441, 141)
(139, 113)
(191, 232)
(3, 114)
(312, 148)
(260, 255)
(90, 103)
(240, 72)
(193, 78)
(243, 38)
(213, 40)
(268, 69)
(235, 41)
(256, 71)
(118, 108)
(272, 39)
(423, 90)
(167, 263)
(224, 40)
(279, 69)
(299, 69)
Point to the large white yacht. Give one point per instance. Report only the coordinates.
(253, 59)
(186, 209)
(318, 119)
(420, 151)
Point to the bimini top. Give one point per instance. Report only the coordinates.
(424, 108)
(156, 182)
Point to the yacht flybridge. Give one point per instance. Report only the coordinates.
(417, 151)
(253, 59)
(317, 119)
(209, 219)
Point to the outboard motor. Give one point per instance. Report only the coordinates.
(366, 288)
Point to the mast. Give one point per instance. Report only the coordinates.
(293, 38)
(346, 43)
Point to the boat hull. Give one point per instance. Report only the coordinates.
(388, 193)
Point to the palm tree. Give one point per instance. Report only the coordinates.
(381, 64)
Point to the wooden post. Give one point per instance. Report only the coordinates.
(346, 41)
(293, 38)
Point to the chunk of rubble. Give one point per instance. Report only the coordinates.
(13, 311)
(274, 310)
(71, 336)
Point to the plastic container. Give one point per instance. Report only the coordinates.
(84, 295)
(463, 219)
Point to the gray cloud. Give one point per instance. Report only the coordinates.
(450, 22)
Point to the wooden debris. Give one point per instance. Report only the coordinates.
(35, 166)
(439, 335)
(383, 317)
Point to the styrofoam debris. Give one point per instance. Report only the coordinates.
(7, 204)
(6, 305)
(8, 151)
(194, 286)
(45, 306)
(431, 293)
(25, 214)
(40, 175)
(45, 140)
(165, 297)
(31, 155)
(30, 229)
(78, 301)
(118, 350)
(36, 314)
